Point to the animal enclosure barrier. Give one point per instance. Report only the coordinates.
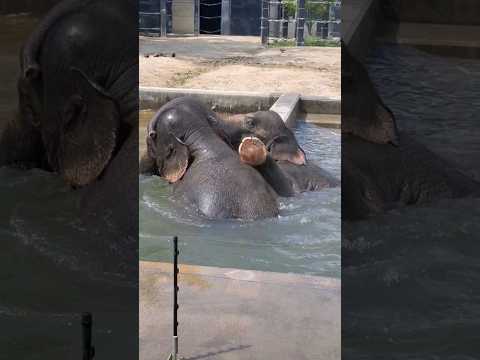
(154, 17)
(304, 22)
(162, 17)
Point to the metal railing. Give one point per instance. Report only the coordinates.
(305, 22)
(155, 17)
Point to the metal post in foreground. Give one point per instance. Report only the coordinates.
(163, 18)
(173, 355)
(300, 22)
(264, 25)
(88, 349)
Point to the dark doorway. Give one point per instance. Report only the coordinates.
(210, 17)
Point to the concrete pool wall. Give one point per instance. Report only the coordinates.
(291, 107)
(421, 25)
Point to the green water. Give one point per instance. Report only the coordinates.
(304, 239)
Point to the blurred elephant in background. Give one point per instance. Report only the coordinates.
(382, 168)
(78, 102)
(77, 92)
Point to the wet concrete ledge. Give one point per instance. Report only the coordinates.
(239, 314)
(320, 282)
(235, 101)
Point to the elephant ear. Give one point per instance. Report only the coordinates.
(91, 123)
(29, 101)
(174, 162)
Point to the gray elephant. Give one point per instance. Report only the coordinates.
(286, 168)
(383, 168)
(205, 172)
(267, 126)
(287, 179)
(77, 92)
(78, 104)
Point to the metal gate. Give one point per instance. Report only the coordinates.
(300, 22)
(155, 17)
(162, 17)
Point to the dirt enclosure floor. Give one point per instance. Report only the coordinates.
(238, 63)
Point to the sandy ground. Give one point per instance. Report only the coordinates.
(238, 64)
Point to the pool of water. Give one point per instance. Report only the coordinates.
(408, 275)
(434, 98)
(305, 238)
(52, 265)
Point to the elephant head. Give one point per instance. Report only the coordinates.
(166, 143)
(81, 134)
(280, 141)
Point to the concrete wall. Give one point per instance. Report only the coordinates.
(183, 16)
(461, 12)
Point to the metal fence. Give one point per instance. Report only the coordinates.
(306, 22)
(155, 17)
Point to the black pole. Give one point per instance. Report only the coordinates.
(175, 300)
(175, 284)
(300, 22)
(88, 349)
(264, 24)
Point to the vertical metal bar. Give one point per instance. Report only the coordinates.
(88, 349)
(226, 12)
(175, 300)
(163, 18)
(300, 22)
(196, 17)
(284, 23)
(264, 28)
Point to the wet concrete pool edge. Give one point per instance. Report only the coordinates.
(243, 102)
(233, 312)
(319, 282)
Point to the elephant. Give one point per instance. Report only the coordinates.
(286, 167)
(77, 92)
(78, 105)
(383, 168)
(205, 171)
(268, 126)
(379, 177)
(287, 179)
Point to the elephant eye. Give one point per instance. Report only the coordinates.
(250, 122)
